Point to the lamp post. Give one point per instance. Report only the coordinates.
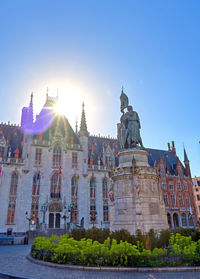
(44, 210)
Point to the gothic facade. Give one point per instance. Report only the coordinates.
(51, 175)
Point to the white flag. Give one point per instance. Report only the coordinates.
(190, 210)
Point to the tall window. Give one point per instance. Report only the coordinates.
(38, 156)
(11, 212)
(12, 198)
(14, 183)
(173, 198)
(92, 188)
(179, 186)
(105, 199)
(187, 198)
(74, 198)
(74, 160)
(1, 151)
(56, 186)
(190, 220)
(183, 219)
(93, 212)
(166, 201)
(35, 197)
(36, 184)
(185, 186)
(57, 156)
(181, 202)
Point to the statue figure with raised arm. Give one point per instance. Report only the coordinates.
(129, 132)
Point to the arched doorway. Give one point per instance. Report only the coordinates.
(54, 215)
(169, 219)
(57, 224)
(175, 220)
(51, 220)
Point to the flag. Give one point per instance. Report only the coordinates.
(77, 178)
(60, 170)
(190, 210)
(138, 191)
(0, 172)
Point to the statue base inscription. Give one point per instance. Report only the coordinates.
(138, 200)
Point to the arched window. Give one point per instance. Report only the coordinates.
(57, 156)
(93, 187)
(56, 186)
(13, 185)
(175, 220)
(36, 184)
(183, 219)
(12, 199)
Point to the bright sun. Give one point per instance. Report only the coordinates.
(60, 108)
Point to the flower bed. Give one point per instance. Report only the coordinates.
(65, 250)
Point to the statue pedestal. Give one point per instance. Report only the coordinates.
(138, 196)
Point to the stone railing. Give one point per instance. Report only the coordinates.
(98, 167)
(15, 161)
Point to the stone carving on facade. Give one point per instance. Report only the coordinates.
(129, 132)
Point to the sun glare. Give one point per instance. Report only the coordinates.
(70, 99)
(60, 108)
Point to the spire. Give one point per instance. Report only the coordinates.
(185, 156)
(187, 163)
(31, 101)
(31, 110)
(76, 126)
(83, 128)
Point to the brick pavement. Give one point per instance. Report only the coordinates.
(13, 261)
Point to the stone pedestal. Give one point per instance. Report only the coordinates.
(138, 196)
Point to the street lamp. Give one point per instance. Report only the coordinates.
(44, 207)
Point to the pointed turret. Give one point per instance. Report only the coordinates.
(185, 156)
(31, 110)
(187, 164)
(83, 127)
(27, 116)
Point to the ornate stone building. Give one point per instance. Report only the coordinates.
(52, 175)
(196, 190)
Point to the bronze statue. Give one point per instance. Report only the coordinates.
(130, 126)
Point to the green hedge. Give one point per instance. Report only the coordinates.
(182, 250)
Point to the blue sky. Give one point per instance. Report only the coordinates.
(89, 49)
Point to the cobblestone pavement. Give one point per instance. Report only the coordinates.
(13, 261)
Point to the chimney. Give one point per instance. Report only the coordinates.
(173, 147)
(169, 149)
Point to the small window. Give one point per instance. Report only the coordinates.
(198, 197)
(197, 189)
(171, 186)
(38, 156)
